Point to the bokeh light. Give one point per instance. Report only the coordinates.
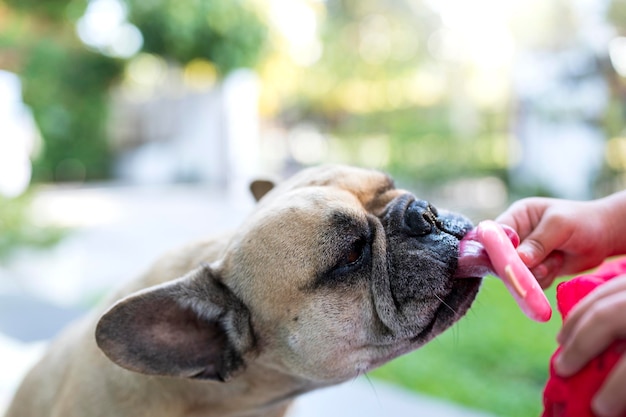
(104, 27)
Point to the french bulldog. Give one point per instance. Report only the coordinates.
(335, 272)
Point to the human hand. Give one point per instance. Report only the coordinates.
(560, 237)
(590, 327)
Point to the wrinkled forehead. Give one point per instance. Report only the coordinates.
(302, 223)
(307, 208)
(370, 189)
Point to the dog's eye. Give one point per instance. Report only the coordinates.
(354, 254)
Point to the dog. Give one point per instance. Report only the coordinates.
(335, 272)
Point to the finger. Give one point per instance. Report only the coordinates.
(547, 271)
(592, 333)
(610, 401)
(540, 243)
(524, 215)
(616, 285)
(510, 218)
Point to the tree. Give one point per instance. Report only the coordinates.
(66, 83)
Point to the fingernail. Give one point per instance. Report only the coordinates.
(525, 252)
(561, 367)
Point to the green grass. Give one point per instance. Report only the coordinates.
(494, 359)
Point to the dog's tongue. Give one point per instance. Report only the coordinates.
(489, 248)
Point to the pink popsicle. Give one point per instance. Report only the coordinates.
(499, 244)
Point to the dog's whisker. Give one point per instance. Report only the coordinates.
(446, 304)
(455, 335)
(373, 389)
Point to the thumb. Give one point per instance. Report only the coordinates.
(539, 244)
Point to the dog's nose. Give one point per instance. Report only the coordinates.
(420, 218)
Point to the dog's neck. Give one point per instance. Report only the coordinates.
(260, 391)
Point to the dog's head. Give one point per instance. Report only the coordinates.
(335, 273)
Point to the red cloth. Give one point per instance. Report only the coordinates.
(571, 397)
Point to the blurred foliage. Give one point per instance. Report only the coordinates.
(495, 359)
(64, 83)
(67, 84)
(16, 226)
(616, 13)
(67, 88)
(378, 76)
(229, 33)
(423, 145)
(370, 55)
(57, 10)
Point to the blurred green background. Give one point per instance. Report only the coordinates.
(472, 103)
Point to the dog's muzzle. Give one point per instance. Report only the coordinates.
(422, 251)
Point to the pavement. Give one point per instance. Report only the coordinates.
(117, 231)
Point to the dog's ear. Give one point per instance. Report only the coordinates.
(192, 327)
(260, 187)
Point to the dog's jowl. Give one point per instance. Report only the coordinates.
(334, 273)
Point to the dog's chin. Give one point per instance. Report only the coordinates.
(451, 309)
(448, 311)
